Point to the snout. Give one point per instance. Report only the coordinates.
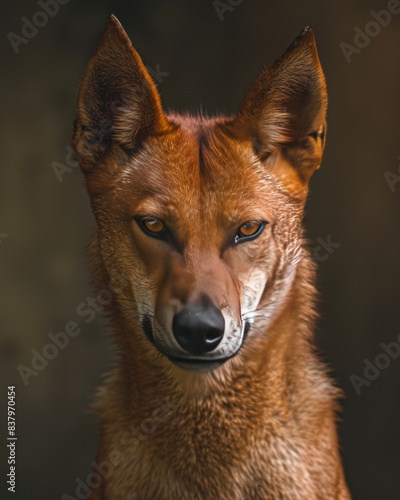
(199, 328)
(196, 333)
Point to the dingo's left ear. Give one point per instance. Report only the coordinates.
(118, 103)
(284, 114)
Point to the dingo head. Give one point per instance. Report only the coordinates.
(202, 216)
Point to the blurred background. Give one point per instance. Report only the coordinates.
(204, 55)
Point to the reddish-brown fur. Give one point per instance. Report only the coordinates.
(261, 425)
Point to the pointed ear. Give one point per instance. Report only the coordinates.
(284, 114)
(118, 103)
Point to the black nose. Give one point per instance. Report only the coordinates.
(199, 328)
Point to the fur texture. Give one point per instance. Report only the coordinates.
(261, 425)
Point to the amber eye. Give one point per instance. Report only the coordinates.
(153, 225)
(249, 230)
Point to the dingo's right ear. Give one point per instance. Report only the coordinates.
(118, 103)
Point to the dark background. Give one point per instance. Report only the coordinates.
(211, 63)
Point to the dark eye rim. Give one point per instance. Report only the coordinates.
(241, 238)
(164, 235)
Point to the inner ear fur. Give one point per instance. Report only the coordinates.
(118, 103)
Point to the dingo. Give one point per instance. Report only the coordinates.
(199, 237)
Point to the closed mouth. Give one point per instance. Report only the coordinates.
(189, 364)
(198, 365)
